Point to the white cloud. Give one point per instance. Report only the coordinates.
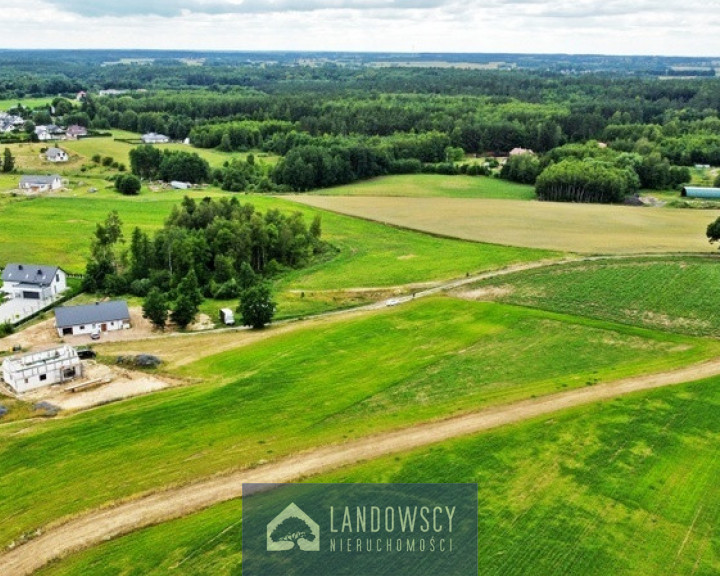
(573, 26)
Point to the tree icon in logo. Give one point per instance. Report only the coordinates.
(292, 528)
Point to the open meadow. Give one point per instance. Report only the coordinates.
(671, 294)
(434, 186)
(583, 228)
(58, 229)
(624, 487)
(391, 368)
(9, 103)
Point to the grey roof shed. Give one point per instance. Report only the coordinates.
(67, 316)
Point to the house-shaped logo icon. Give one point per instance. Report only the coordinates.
(293, 528)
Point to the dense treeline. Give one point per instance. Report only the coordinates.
(574, 180)
(226, 246)
(335, 124)
(149, 162)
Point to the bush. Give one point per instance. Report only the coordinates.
(6, 328)
(115, 284)
(140, 287)
(107, 161)
(477, 170)
(227, 290)
(405, 166)
(128, 184)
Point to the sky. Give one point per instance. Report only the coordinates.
(668, 27)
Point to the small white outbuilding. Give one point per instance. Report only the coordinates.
(37, 369)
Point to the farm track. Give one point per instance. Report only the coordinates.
(92, 528)
(98, 526)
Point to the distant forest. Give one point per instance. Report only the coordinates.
(335, 118)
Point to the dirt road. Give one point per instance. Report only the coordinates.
(97, 526)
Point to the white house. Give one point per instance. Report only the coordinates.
(33, 281)
(98, 317)
(152, 138)
(49, 132)
(518, 151)
(40, 183)
(30, 371)
(56, 155)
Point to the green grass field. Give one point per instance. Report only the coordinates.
(434, 186)
(27, 102)
(353, 377)
(672, 294)
(625, 488)
(59, 229)
(108, 146)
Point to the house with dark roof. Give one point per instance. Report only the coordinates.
(89, 318)
(33, 281)
(56, 155)
(40, 183)
(49, 132)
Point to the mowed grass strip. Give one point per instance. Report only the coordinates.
(434, 186)
(584, 228)
(310, 387)
(626, 487)
(674, 294)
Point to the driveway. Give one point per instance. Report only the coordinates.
(17, 309)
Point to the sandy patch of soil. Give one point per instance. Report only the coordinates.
(486, 294)
(107, 384)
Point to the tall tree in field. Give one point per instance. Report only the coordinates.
(713, 231)
(155, 308)
(104, 257)
(257, 307)
(188, 300)
(8, 163)
(145, 161)
(141, 255)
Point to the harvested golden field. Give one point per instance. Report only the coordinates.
(585, 228)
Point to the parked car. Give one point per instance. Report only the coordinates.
(85, 353)
(95, 334)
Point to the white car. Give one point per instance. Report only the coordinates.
(95, 334)
(392, 302)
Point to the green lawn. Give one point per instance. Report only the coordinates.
(675, 294)
(627, 487)
(109, 146)
(435, 186)
(27, 102)
(311, 386)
